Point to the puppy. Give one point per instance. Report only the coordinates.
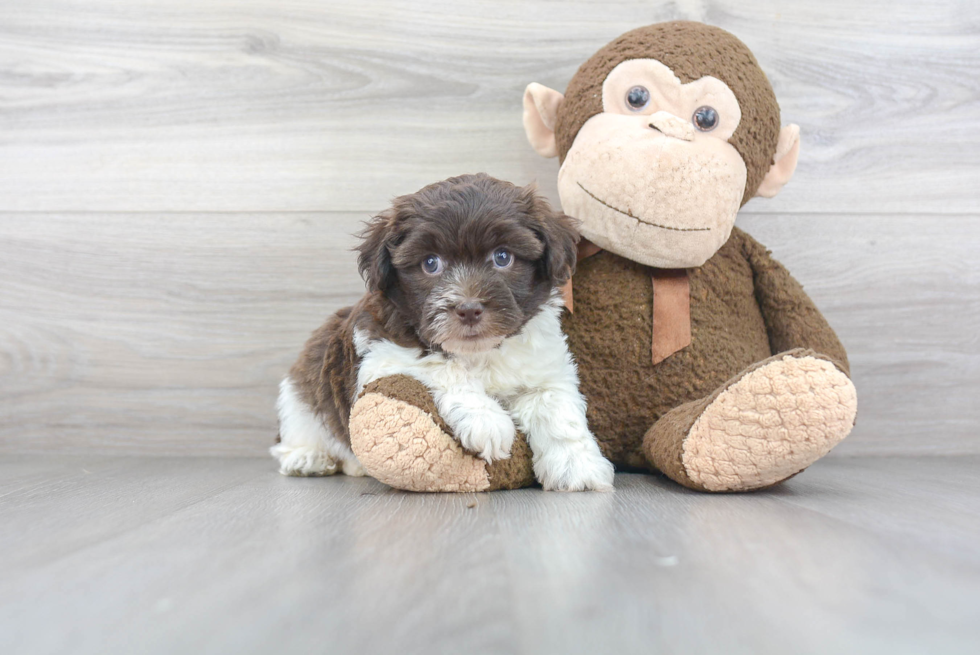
(463, 281)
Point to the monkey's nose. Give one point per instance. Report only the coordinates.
(469, 312)
(671, 125)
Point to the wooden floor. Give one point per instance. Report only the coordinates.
(168, 555)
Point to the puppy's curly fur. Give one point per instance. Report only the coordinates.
(463, 281)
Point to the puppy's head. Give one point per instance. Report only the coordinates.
(469, 260)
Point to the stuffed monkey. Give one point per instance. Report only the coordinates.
(699, 355)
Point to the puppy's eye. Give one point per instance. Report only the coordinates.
(638, 98)
(705, 118)
(502, 258)
(432, 265)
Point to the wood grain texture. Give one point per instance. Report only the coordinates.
(161, 332)
(223, 105)
(99, 557)
(179, 180)
(168, 334)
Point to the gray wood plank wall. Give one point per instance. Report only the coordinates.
(178, 183)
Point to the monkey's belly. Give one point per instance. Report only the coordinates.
(611, 331)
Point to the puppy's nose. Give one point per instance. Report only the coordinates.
(469, 312)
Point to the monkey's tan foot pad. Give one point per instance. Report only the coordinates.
(765, 425)
(770, 424)
(400, 439)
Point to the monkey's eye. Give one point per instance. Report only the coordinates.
(502, 258)
(638, 98)
(432, 265)
(705, 118)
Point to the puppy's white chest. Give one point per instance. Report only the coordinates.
(489, 370)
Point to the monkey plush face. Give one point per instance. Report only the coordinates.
(663, 135)
(653, 174)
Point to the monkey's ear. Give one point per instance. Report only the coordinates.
(374, 260)
(786, 157)
(540, 114)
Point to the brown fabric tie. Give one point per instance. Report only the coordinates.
(671, 312)
(671, 306)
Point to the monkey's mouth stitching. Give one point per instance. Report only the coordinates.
(637, 218)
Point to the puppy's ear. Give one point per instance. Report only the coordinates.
(374, 260)
(558, 233)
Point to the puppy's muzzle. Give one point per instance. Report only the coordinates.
(469, 312)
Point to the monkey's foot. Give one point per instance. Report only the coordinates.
(761, 428)
(400, 439)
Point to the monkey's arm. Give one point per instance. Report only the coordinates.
(792, 320)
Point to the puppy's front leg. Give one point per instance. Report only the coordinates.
(478, 421)
(566, 455)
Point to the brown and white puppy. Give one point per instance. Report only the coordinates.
(463, 281)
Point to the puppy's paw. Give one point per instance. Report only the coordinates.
(304, 461)
(574, 466)
(488, 432)
(352, 468)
